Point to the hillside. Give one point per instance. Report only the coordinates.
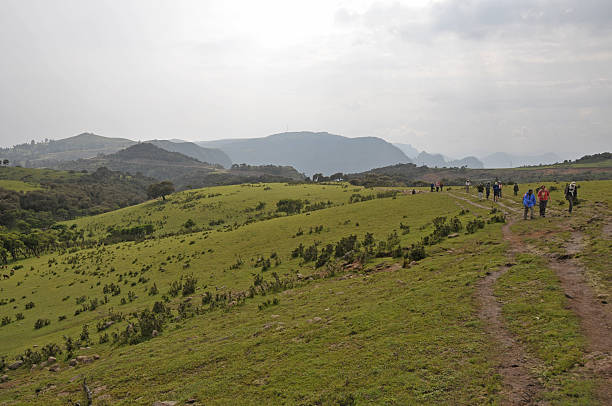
(184, 171)
(378, 296)
(87, 145)
(311, 153)
(211, 156)
(411, 174)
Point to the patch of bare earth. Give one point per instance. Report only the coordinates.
(595, 316)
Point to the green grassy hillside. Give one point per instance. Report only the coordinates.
(240, 318)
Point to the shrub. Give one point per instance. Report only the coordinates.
(289, 206)
(189, 287)
(19, 316)
(29, 305)
(416, 252)
(474, 225)
(40, 323)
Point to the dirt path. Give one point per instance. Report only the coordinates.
(595, 318)
(520, 386)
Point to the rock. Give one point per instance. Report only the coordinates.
(33, 367)
(51, 360)
(154, 333)
(316, 319)
(274, 316)
(4, 378)
(16, 364)
(54, 368)
(453, 235)
(96, 357)
(165, 403)
(190, 401)
(72, 362)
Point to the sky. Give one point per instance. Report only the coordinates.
(465, 77)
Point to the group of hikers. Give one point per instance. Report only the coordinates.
(529, 199)
(486, 187)
(438, 186)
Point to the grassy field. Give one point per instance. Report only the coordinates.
(36, 176)
(18, 185)
(377, 333)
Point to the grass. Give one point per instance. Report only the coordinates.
(18, 186)
(372, 336)
(36, 176)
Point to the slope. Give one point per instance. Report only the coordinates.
(312, 153)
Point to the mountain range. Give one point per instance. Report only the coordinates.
(312, 152)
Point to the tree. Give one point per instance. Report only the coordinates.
(161, 189)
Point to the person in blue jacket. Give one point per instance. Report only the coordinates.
(529, 201)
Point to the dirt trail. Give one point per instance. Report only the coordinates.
(520, 386)
(595, 316)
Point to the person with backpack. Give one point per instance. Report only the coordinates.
(543, 197)
(467, 186)
(432, 187)
(495, 191)
(516, 189)
(480, 189)
(499, 192)
(529, 200)
(571, 194)
(488, 189)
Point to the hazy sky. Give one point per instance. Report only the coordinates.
(455, 77)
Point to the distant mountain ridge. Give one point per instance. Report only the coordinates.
(312, 152)
(439, 161)
(184, 171)
(88, 145)
(505, 160)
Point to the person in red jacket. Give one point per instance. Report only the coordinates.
(543, 197)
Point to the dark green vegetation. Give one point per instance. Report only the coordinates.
(183, 171)
(289, 294)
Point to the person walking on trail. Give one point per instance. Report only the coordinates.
(516, 189)
(529, 200)
(480, 189)
(543, 197)
(495, 191)
(432, 186)
(499, 192)
(437, 186)
(467, 186)
(488, 189)
(571, 193)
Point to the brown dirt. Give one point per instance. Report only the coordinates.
(595, 317)
(520, 386)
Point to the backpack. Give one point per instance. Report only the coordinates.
(571, 188)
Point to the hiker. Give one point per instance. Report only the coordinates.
(495, 191)
(571, 193)
(543, 196)
(488, 189)
(499, 192)
(516, 189)
(529, 200)
(432, 186)
(413, 191)
(467, 186)
(437, 186)
(441, 187)
(480, 189)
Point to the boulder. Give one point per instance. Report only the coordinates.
(96, 357)
(51, 360)
(16, 364)
(165, 403)
(54, 368)
(154, 333)
(72, 362)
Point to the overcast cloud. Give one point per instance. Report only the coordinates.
(454, 77)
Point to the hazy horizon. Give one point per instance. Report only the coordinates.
(451, 77)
